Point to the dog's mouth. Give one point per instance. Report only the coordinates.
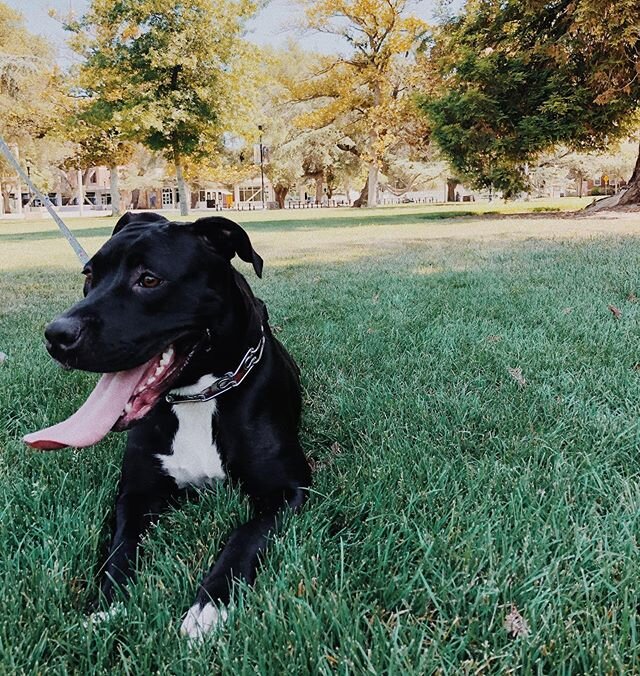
(158, 375)
(118, 401)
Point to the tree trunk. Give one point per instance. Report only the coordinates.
(280, 192)
(5, 199)
(182, 190)
(114, 189)
(135, 198)
(361, 201)
(319, 186)
(632, 194)
(374, 168)
(372, 186)
(347, 190)
(452, 184)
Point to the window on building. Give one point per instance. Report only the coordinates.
(250, 194)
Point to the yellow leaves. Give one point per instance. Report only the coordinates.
(366, 92)
(29, 83)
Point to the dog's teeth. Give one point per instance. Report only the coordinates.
(127, 407)
(159, 370)
(151, 380)
(167, 356)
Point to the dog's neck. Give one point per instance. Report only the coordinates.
(225, 346)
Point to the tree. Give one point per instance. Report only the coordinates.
(29, 92)
(297, 153)
(163, 72)
(98, 146)
(566, 166)
(366, 92)
(517, 77)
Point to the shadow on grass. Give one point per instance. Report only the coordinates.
(350, 221)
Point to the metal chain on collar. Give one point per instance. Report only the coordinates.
(226, 382)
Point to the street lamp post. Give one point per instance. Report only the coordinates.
(261, 166)
(29, 186)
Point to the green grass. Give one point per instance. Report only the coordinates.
(444, 491)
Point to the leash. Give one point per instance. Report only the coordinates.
(226, 382)
(75, 245)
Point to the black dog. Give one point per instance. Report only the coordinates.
(191, 366)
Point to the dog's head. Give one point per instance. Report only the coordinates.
(151, 294)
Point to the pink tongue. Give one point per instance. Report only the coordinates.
(95, 418)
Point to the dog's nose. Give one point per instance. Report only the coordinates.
(64, 333)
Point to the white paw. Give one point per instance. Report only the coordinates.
(199, 621)
(104, 615)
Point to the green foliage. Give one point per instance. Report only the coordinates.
(159, 70)
(31, 96)
(518, 77)
(96, 146)
(28, 86)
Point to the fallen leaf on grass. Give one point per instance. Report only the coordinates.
(567, 310)
(515, 624)
(632, 298)
(616, 312)
(333, 661)
(516, 374)
(336, 449)
(493, 339)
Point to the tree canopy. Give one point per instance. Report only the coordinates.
(516, 77)
(162, 72)
(30, 96)
(365, 92)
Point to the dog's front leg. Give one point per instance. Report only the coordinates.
(238, 561)
(143, 494)
(135, 513)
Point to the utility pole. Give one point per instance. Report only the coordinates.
(29, 184)
(80, 192)
(261, 166)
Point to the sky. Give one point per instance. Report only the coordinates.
(274, 25)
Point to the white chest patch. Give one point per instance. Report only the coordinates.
(195, 460)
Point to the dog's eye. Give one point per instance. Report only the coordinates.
(148, 281)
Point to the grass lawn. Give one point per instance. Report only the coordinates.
(450, 488)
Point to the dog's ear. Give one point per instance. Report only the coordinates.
(142, 217)
(228, 239)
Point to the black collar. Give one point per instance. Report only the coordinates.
(226, 382)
